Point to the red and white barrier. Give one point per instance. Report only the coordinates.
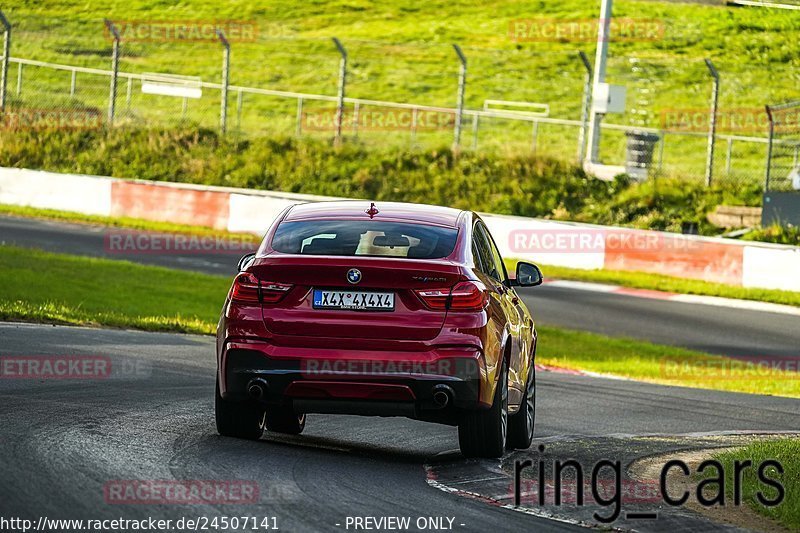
(583, 246)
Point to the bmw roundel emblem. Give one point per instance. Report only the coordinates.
(354, 275)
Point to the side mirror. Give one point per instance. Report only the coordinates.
(528, 275)
(245, 261)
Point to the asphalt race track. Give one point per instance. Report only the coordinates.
(719, 330)
(63, 442)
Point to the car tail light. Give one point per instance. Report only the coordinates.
(435, 299)
(468, 296)
(248, 289)
(465, 296)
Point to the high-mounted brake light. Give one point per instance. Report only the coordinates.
(248, 289)
(465, 296)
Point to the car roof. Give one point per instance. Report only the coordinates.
(395, 211)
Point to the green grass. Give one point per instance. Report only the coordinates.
(787, 453)
(658, 282)
(666, 365)
(638, 280)
(54, 288)
(66, 289)
(401, 51)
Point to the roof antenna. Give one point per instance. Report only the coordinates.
(372, 211)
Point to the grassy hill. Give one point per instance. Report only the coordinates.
(401, 51)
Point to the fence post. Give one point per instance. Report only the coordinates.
(462, 82)
(534, 136)
(337, 141)
(414, 114)
(19, 79)
(356, 109)
(587, 102)
(728, 155)
(769, 147)
(73, 82)
(226, 63)
(112, 97)
(298, 128)
(712, 133)
(475, 123)
(6, 54)
(239, 105)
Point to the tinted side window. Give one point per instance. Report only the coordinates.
(484, 249)
(491, 256)
(496, 257)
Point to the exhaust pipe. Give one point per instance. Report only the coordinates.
(257, 388)
(442, 394)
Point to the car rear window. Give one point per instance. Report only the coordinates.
(364, 238)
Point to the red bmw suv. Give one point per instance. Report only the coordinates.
(388, 310)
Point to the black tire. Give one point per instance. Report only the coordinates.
(281, 420)
(242, 420)
(482, 433)
(522, 423)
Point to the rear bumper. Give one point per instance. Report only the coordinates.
(383, 383)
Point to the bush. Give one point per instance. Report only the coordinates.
(514, 185)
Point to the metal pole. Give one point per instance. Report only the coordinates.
(226, 63)
(534, 136)
(462, 82)
(112, 97)
(239, 105)
(712, 132)
(73, 82)
(414, 113)
(661, 151)
(599, 76)
(337, 141)
(19, 79)
(475, 132)
(587, 102)
(728, 155)
(356, 109)
(6, 54)
(769, 147)
(298, 129)
(129, 94)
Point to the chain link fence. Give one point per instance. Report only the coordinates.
(174, 74)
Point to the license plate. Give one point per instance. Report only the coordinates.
(353, 300)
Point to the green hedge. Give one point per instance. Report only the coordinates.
(516, 185)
